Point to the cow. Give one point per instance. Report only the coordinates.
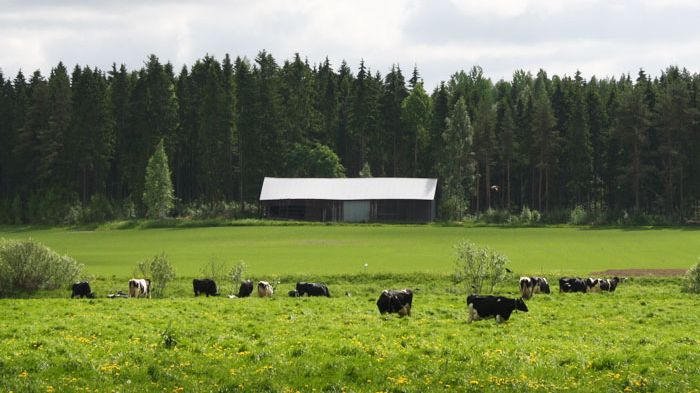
(532, 285)
(140, 287)
(572, 285)
(293, 293)
(81, 289)
(265, 289)
(499, 307)
(609, 284)
(312, 289)
(205, 286)
(542, 285)
(395, 301)
(246, 288)
(592, 284)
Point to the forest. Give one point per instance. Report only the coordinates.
(76, 143)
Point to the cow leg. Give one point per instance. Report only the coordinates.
(499, 319)
(470, 318)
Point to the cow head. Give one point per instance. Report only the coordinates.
(520, 305)
(544, 286)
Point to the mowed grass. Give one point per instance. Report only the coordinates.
(644, 337)
(344, 249)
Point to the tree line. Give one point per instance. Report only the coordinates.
(84, 137)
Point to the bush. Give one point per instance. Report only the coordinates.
(479, 267)
(691, 281)
(159, 270)
(235, 275)
(492, 216)
(215, 270)
(578, 216)
(528, 216)
(26, 265)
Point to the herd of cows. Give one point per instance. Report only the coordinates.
(390, 301)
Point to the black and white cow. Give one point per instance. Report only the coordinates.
(532, 285)
(293, 293)
(499, 307)
(140, 287)
(205, 286)
(571, 284)
(592, 284)
(265, 289)
(312, 289)
(81, 289)
(246, 288)
(395, 301)
(608, 284)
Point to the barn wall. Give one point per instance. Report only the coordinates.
(351, 211)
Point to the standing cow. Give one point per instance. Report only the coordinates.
(532, 285)
(482, 307)
(571, 284)
(246, 288)
(81, 289)
(393, 301)
(312, 289)
(140, 287)
(205, 286)
(265, 289)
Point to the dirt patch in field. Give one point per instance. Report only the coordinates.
(641, 272)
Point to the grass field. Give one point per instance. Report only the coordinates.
(644, 337)
(340, 249)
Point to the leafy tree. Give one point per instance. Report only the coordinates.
(316, 160)
(415, 114)
(366, 171)
(158, 191)
(457, 166)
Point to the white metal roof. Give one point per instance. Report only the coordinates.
(348, 189)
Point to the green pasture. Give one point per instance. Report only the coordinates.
(344, 249)
(642, 338)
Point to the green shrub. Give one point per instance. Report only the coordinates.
(26, 265)
(478, 267)
(691, 281)
(159, 270)
(235, 275)
(578, 216)
(528, 216)
(493, 216)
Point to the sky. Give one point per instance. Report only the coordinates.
(441, 37)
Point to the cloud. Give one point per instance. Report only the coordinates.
(599, 37)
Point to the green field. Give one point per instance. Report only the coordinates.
(644, 337)
(341, 249)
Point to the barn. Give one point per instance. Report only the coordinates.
(370, 199)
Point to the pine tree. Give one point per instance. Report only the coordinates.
(395, 137)
(484, 146)
(158, 187)
(578, 151)
(546, 137)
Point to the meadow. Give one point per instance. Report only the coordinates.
(644, 337)
(344, 249)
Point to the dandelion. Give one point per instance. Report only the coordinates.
(473, 382)
(49, 389)
(401, 380)
(23, 374)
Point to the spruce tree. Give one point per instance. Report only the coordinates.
(457, 164)
(158, 187)
(415, 114)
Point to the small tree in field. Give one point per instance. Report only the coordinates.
(480, 268)
(159, 270)
(158, 188)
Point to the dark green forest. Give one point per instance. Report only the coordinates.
(74, 144)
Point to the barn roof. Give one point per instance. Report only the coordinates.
(348, 189)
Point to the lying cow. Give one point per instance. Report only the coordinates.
(567, 284)
(265, 289)
(205, 286)
(312, 289)
(81, 289)
(293, 293)
(393, 301)
(483, 307)
(140, 287)
(246, 288)
(532, 285)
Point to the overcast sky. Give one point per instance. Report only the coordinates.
(605, 38)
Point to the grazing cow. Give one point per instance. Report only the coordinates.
(482, 307)
(592, 284)
(205, 286)
(81, 289)
(265, 289)
(246, 288)
(572, 285)
(527, 287)
(293, 293)
(393, 301)
(608, 284)
(542, 285)
(140, 287)
(312, 289)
